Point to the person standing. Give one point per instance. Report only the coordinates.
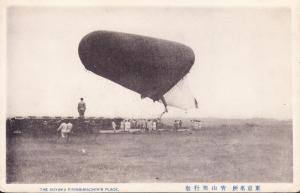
(180, 124)
(114, 126)
(127, 125)
(81, 108)
(62, 128)
(69, 130)
(122, 125)
(176, 125)
(149, 125)
(154, 125)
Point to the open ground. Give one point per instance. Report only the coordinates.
(216, 153)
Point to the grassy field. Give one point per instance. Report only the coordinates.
(218, 153)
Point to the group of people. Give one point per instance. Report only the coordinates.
(126, 125)
(143, 124)
(65, 128)
(177, 124)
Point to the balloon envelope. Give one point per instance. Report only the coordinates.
(148, 66)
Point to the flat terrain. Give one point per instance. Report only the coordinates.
(224, 153)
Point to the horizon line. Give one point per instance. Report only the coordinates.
(128, 117)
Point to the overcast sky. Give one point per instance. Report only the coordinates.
(242, 67)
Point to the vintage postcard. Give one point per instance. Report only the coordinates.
(143, 96)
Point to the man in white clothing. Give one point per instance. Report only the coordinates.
(154, 125)
(65, 129)
(127, 125)
(114, 126)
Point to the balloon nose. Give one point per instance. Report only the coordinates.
(84, 54)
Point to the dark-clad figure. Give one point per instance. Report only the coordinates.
(81, 108)
(180, 124)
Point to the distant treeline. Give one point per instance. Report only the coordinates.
(49, 125)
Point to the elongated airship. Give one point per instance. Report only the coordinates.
(152, 67)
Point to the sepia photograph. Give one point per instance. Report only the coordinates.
(149, 94)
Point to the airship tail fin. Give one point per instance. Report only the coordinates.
(180, 96)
